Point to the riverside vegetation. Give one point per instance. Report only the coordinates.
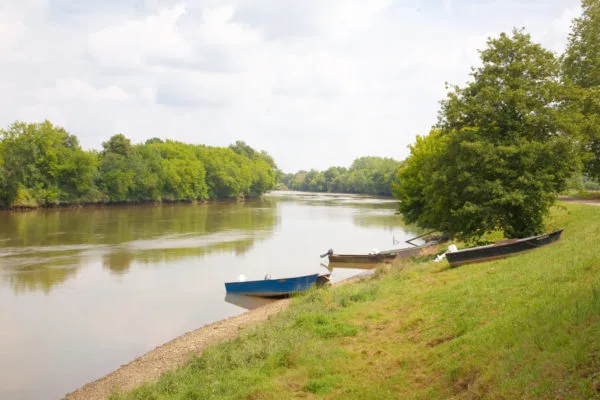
(43, 165)
(366, 175)
(522, 327)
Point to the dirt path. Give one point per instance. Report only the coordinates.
(173, 354)
(580, 201)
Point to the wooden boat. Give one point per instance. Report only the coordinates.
(382, 256)
(277, 287)
(504, 248)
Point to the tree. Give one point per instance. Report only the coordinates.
(372, 175)
(118, 144)
(422, 202)
(44, 165)
(502, 152)
(117, 175)
(581, 73)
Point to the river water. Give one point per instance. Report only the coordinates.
(83, 291)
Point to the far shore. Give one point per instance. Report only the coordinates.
(115, 204)
(177, 352)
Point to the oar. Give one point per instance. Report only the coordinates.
(329, 253)
(418, 237)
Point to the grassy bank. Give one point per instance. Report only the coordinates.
(523, 327)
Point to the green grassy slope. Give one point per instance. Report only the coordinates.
(522, 327)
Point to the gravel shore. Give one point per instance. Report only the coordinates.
(176, 353)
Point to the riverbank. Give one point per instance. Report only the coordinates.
(523, 327)
(140, 203)
(177, 352)
(173, 354)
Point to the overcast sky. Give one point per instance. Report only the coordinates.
(314, 83)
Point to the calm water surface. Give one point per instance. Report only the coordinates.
(84, 291)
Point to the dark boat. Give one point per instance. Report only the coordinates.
(277, 287)
(379, 257)
(501, 249)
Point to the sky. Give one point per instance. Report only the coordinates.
(315, 83)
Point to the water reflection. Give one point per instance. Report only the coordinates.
(31, 242)
(42, 278)
(253, 302)
(247, 302)
(118, 263)
(107, 285)
(367, 211)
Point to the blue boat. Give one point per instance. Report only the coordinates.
(277, 287)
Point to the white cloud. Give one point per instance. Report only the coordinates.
(10, 32)
(349, 17)
(297, 78)
(77, 90)
(217, 28)
(560, 27)
(148, 93)
(129, 44)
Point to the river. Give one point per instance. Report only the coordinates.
(83, 291)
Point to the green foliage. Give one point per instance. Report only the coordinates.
(581, 61)
(581, 74)
(43, 165)
(368, 175)
(504, 150)
(415, 186)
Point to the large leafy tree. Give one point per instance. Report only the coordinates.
(502, 152)
(581, 73)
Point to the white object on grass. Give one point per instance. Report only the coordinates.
(451, 249)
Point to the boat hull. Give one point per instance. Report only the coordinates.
(497, 251)
(276, 287)
(383, 256)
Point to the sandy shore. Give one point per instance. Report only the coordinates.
(173, 354)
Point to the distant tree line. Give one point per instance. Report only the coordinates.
(512, 139)
(43, 165)
(368, 175)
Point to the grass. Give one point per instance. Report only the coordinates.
(525, 327)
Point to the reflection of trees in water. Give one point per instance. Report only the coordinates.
(112, 230)
(388, 222)
(118, 262)
(335, 200)
(114, 225)
(42, 278)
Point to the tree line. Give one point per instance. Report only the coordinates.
(43, 165)
(368, 175)
(509, 141)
